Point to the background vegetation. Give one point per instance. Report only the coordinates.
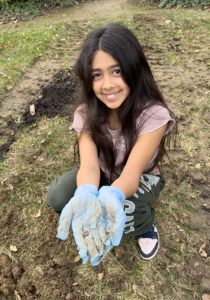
(11, 10)
(203, 4)
(27, 9)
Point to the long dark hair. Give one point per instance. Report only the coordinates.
(124, 47)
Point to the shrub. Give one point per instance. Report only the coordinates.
(27, 9)
(181, 3)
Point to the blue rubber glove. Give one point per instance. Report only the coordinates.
(111, 200)
(84, 213)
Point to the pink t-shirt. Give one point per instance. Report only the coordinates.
(150, 120)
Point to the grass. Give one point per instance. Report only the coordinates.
(22, 46)
(25, 176)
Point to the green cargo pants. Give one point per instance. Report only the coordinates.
(138, 208)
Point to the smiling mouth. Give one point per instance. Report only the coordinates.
(111, 96)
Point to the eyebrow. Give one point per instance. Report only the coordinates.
(109, 68)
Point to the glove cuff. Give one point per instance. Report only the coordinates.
(91, 188)
(114, 191)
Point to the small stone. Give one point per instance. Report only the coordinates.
(119, 251)
(164, 290)
(69, 296)
(56, 292)
(17, 272)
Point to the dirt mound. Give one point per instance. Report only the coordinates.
(55, 100)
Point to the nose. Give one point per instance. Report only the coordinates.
(107, 83)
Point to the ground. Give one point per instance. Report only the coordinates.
(34, 264)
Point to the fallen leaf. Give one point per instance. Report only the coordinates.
(77, 258)
(41, 159)
(42, 141)
(13, 248)
(32, 109)
(152, 287)
(207, 92)
(202, 252)
(100, 276)
(10, 187)
(178, 218)
(15, 26)
(196, 264)
(15, 21)
(196, 51)
(76, 283)
(49, 133)
(197, 166)
(38, 214)
(134, 289)
(168, 22)
(206, 297)
(164, 249)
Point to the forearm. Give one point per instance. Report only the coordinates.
(88, 175)
(128, 183)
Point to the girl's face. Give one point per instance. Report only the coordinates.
(108, 85)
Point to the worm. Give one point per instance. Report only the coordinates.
(85, 233)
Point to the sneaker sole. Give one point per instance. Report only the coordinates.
(153, 255)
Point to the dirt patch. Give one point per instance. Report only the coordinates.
(55, 100)
(117, 282)
(15, 279)
(52, 100)
(28, 280)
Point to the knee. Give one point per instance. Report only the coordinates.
(53, 198)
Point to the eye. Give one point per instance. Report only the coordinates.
(97, 75)
(117, 72)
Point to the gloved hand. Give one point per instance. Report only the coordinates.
(85, 214)
(111, 200)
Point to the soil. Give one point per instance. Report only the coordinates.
(16, 277)
(55, 98)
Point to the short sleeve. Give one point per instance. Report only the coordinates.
(154, 118)
(78, 124)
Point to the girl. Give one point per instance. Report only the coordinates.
(122, 124)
